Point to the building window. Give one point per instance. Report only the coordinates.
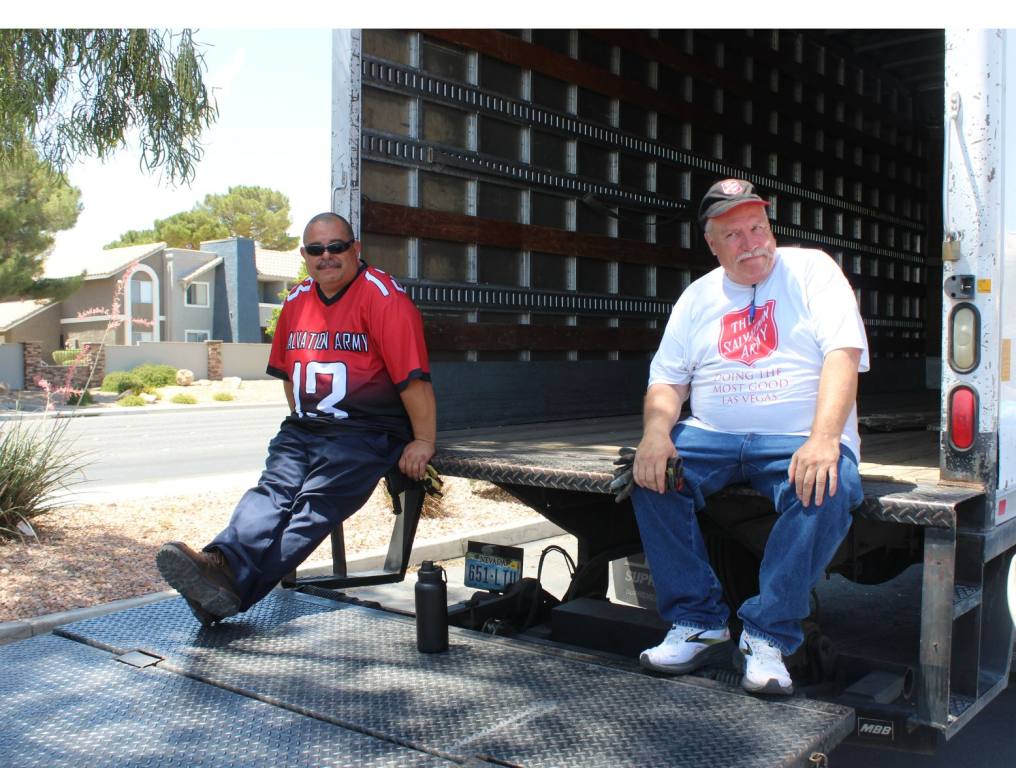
(196, 335)
(141, 292)
(197, 295)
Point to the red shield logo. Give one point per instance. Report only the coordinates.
(746, 342)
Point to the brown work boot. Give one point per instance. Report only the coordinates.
(204, 579)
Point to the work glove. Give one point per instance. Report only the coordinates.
(432, 482)
(623, 483)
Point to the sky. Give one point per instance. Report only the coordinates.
(273, 91)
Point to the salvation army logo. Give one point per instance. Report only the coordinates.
(746, 342)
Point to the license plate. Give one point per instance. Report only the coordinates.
(492, 566)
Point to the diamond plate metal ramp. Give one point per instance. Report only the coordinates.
(358, 667)
(67, 704)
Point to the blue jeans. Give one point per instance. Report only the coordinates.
(800, 546)
(310, 484)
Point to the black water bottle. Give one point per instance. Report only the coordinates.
(431, 609)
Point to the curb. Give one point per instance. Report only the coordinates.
(20, 629)
(443, 549)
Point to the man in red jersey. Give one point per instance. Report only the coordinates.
(350, 350)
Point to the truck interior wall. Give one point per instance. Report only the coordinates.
(536, 191)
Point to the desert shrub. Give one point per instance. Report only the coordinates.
(129, 383)
(155, 375)
(131, 400)
(65, 356)
(120, 382)
(224, 397)
(36, 461)
(83, 398)
(182, 398)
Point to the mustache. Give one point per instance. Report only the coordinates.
(754, 253)
(329, 264)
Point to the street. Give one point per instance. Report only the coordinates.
(180, 447)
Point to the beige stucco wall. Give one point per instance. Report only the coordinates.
(180, 317)
(43, 328)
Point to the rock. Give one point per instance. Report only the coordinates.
(149, 398)
(4, 389)
(184, 377)
(231, 382)
(202, 383)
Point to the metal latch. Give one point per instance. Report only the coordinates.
(139, 659)
(960, 286)
(819, 760)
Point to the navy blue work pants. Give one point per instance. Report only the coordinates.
(310, 484)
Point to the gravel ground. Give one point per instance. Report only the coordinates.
(87, 555)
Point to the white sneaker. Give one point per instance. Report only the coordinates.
(764, 670)
(685, 649)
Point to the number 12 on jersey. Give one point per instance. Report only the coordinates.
(305, 388)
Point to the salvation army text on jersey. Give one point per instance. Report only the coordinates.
(345, 341)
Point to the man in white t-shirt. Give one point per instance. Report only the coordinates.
(768, 347)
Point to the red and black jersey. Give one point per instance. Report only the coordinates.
(348, 357)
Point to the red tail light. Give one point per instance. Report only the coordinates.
(962, 417)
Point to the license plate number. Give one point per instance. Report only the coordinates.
(491, 566)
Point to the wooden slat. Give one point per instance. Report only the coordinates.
(522, 54)
(449, 335)
(391, 219)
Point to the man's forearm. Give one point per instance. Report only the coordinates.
(418, 399)
(662, 407)
(837, 391)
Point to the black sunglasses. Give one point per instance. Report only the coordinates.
(336, 246)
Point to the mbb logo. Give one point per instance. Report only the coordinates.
(882, 729)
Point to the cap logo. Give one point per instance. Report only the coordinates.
(732, 187)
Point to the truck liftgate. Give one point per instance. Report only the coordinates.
(301, 681)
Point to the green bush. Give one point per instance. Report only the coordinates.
(131, 400)
(151, 375)
(129, 383)
(37, 460)
(182, 398)
(119, 382)
(84, 398)
(65, 356)
(224, 397)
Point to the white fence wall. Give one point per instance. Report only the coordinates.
(12, 365)
(191, 355)
(248, 361)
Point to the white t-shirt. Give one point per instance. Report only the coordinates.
(762, 376)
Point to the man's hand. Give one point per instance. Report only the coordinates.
(812, 465)
(413, 462)
(623, 483)
(651, 457)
